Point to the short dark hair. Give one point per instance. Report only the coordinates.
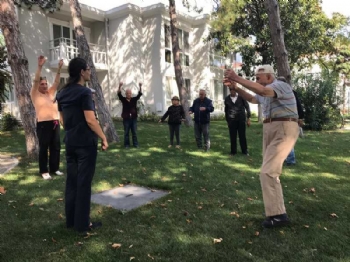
(43, 78)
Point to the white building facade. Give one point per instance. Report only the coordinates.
(129, 44)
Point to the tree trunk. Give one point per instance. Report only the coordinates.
(183, 92)
(20, 73)
(84, 52)
(277, 36)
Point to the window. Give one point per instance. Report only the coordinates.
(218, 90)
(184, 46)
(188, 88)
(63, 34)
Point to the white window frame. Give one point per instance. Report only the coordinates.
(69, 24)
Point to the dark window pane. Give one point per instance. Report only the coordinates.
(181, 59)
(186, 41)
(56, 34)
(167, 35)
(167, 56)
(187, 61)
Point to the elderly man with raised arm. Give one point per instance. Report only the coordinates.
(280, 130)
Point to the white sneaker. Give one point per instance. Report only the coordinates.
(46, 176)
(59, 173)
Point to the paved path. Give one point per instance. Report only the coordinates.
(7, 163)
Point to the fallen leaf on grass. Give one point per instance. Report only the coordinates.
(234, 214)
(54, 240)
(99, 211)
(306, 226)
(188, 221)
(250, 199)
(282, 233)
(60, 199)
(257, 233)
(163, 205)
(121, 185)
(41, 209)
(79, 243)
(132, 258)
(250, 242)
(200, 207)
(150, 257)
(222, 205)
(153, 217)
(31, 204)
(60, 216)
(291, 202)
(244, 227)
(217, 240)
(325, 228)
(2, 190)
(312, 190)
(170, 200)
(116, 245)
(334, 215)
(235, 182)
(131, 246)
(204, 190)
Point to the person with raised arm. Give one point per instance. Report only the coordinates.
(129, 114)
(47, 128)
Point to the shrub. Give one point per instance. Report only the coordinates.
(318, 95)
(8, 122)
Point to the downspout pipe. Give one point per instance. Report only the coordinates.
(108, 69)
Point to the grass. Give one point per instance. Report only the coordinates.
(206, 188)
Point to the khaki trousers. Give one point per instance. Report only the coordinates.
(279, 139)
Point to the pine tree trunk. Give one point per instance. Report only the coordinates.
(183, 92)
(84, 52)
(20, 73)
(277, 36)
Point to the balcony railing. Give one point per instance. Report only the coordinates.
(65, 48)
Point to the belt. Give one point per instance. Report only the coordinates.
(269, 120)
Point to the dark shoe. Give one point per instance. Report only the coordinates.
(276, 221)
(136, 146)
(247, 154)
(232, 154)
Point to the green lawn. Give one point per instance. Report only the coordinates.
(206, 188)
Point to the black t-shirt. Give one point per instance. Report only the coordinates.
(73, 100)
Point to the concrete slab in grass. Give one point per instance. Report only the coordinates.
(127, 198)
(7, 163)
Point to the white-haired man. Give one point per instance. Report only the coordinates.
(202, 107)
(280, 134)
(129, 114)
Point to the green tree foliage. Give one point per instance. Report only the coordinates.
(308, 32)
(5, 77)
(320, 100)
(47, 5)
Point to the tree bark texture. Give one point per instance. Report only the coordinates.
(84, 52)
(20, 73)
(277, 36)
(183, 92)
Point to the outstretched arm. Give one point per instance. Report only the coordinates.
(120, 91)
(55, 85)
(140, 92)
(36, 82)
(231, 76)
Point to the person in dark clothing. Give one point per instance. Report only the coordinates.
(290, 160)
(176, 115)
(129, 114)
(202, 107)
(77, 115)
(235, 107)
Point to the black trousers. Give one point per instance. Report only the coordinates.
(49, 141)
(174, 129)
(81, 162)
(240, 127)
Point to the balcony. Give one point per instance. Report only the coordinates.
(66, 49)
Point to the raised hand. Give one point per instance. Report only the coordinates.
(60, 64)
(41, 60)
